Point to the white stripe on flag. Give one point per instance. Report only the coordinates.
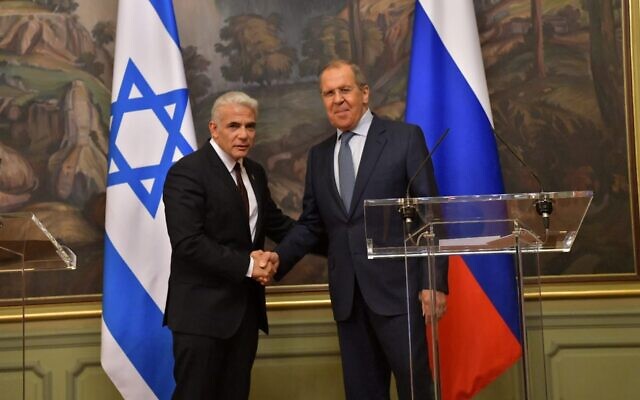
(148, 251)
(148, 44)
(122, 373)
(461, 40)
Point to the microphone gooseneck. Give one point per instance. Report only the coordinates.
(426, 160)
(408, 207)
(543, 205)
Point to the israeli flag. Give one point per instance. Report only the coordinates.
(151, 128)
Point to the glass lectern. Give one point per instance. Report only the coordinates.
(523, 225)
(26, 245)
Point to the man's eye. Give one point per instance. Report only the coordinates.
(330, 93)
(346, 90)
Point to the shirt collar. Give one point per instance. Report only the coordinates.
(227, 160)
(363, 125)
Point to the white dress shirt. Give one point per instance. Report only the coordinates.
(230, 163)
(356, 144)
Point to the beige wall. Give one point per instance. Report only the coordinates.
(592, 347)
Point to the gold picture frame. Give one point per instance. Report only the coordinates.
(632, 93)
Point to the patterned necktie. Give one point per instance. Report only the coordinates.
(243, 191)
(346, 172)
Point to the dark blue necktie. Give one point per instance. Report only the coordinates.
(346, 172)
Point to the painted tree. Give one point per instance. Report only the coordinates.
(87, 61)
(195, 69)
(355, 33)
(254, 50)
(538, 38)
(104, 32)
(326, 38)
(606, 63)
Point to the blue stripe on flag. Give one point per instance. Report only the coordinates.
(165, 12)
(135, 322)
(445, 93)
(439, 97)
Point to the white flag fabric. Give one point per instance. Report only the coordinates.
(151, 128)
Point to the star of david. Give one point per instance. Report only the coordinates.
(158, 103)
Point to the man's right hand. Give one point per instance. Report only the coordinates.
(265, 265)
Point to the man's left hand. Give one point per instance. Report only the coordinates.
(428, 308)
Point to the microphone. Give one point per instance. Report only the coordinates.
(544, 205)
(408, 208)
(426, 160)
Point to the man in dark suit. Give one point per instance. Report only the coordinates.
(219, 210)
(367, 158)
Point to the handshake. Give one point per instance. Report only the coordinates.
(265, 265)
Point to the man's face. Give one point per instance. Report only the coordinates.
(235, 131)
(343, 99)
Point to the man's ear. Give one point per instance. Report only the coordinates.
(213, 129)
(365, 94)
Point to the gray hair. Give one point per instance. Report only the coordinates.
(233, 98)
(361, 79)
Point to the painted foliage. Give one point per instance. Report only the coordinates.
(554, 69)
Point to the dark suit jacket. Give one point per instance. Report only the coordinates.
(392, 154)
(211, 242)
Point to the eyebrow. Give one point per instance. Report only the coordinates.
(237, 123)
(345, 87)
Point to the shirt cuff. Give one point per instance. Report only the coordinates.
(250, 270)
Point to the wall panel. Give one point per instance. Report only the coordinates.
(592, 350)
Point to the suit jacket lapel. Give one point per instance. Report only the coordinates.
(258, 190)
(326, 170)
(230, 185)
(372, 149)
(219, 168)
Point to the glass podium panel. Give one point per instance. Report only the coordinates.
(473, 224)
(521, 225)
(27, 246)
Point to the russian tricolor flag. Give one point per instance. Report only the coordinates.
(479, 334)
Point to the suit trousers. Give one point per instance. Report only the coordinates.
(214, 368)
(373, 346)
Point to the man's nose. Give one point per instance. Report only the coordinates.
(337, 97)
(243, 132)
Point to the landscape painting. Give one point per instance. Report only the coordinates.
(555, 71)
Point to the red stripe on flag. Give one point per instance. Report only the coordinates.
(476, 345)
